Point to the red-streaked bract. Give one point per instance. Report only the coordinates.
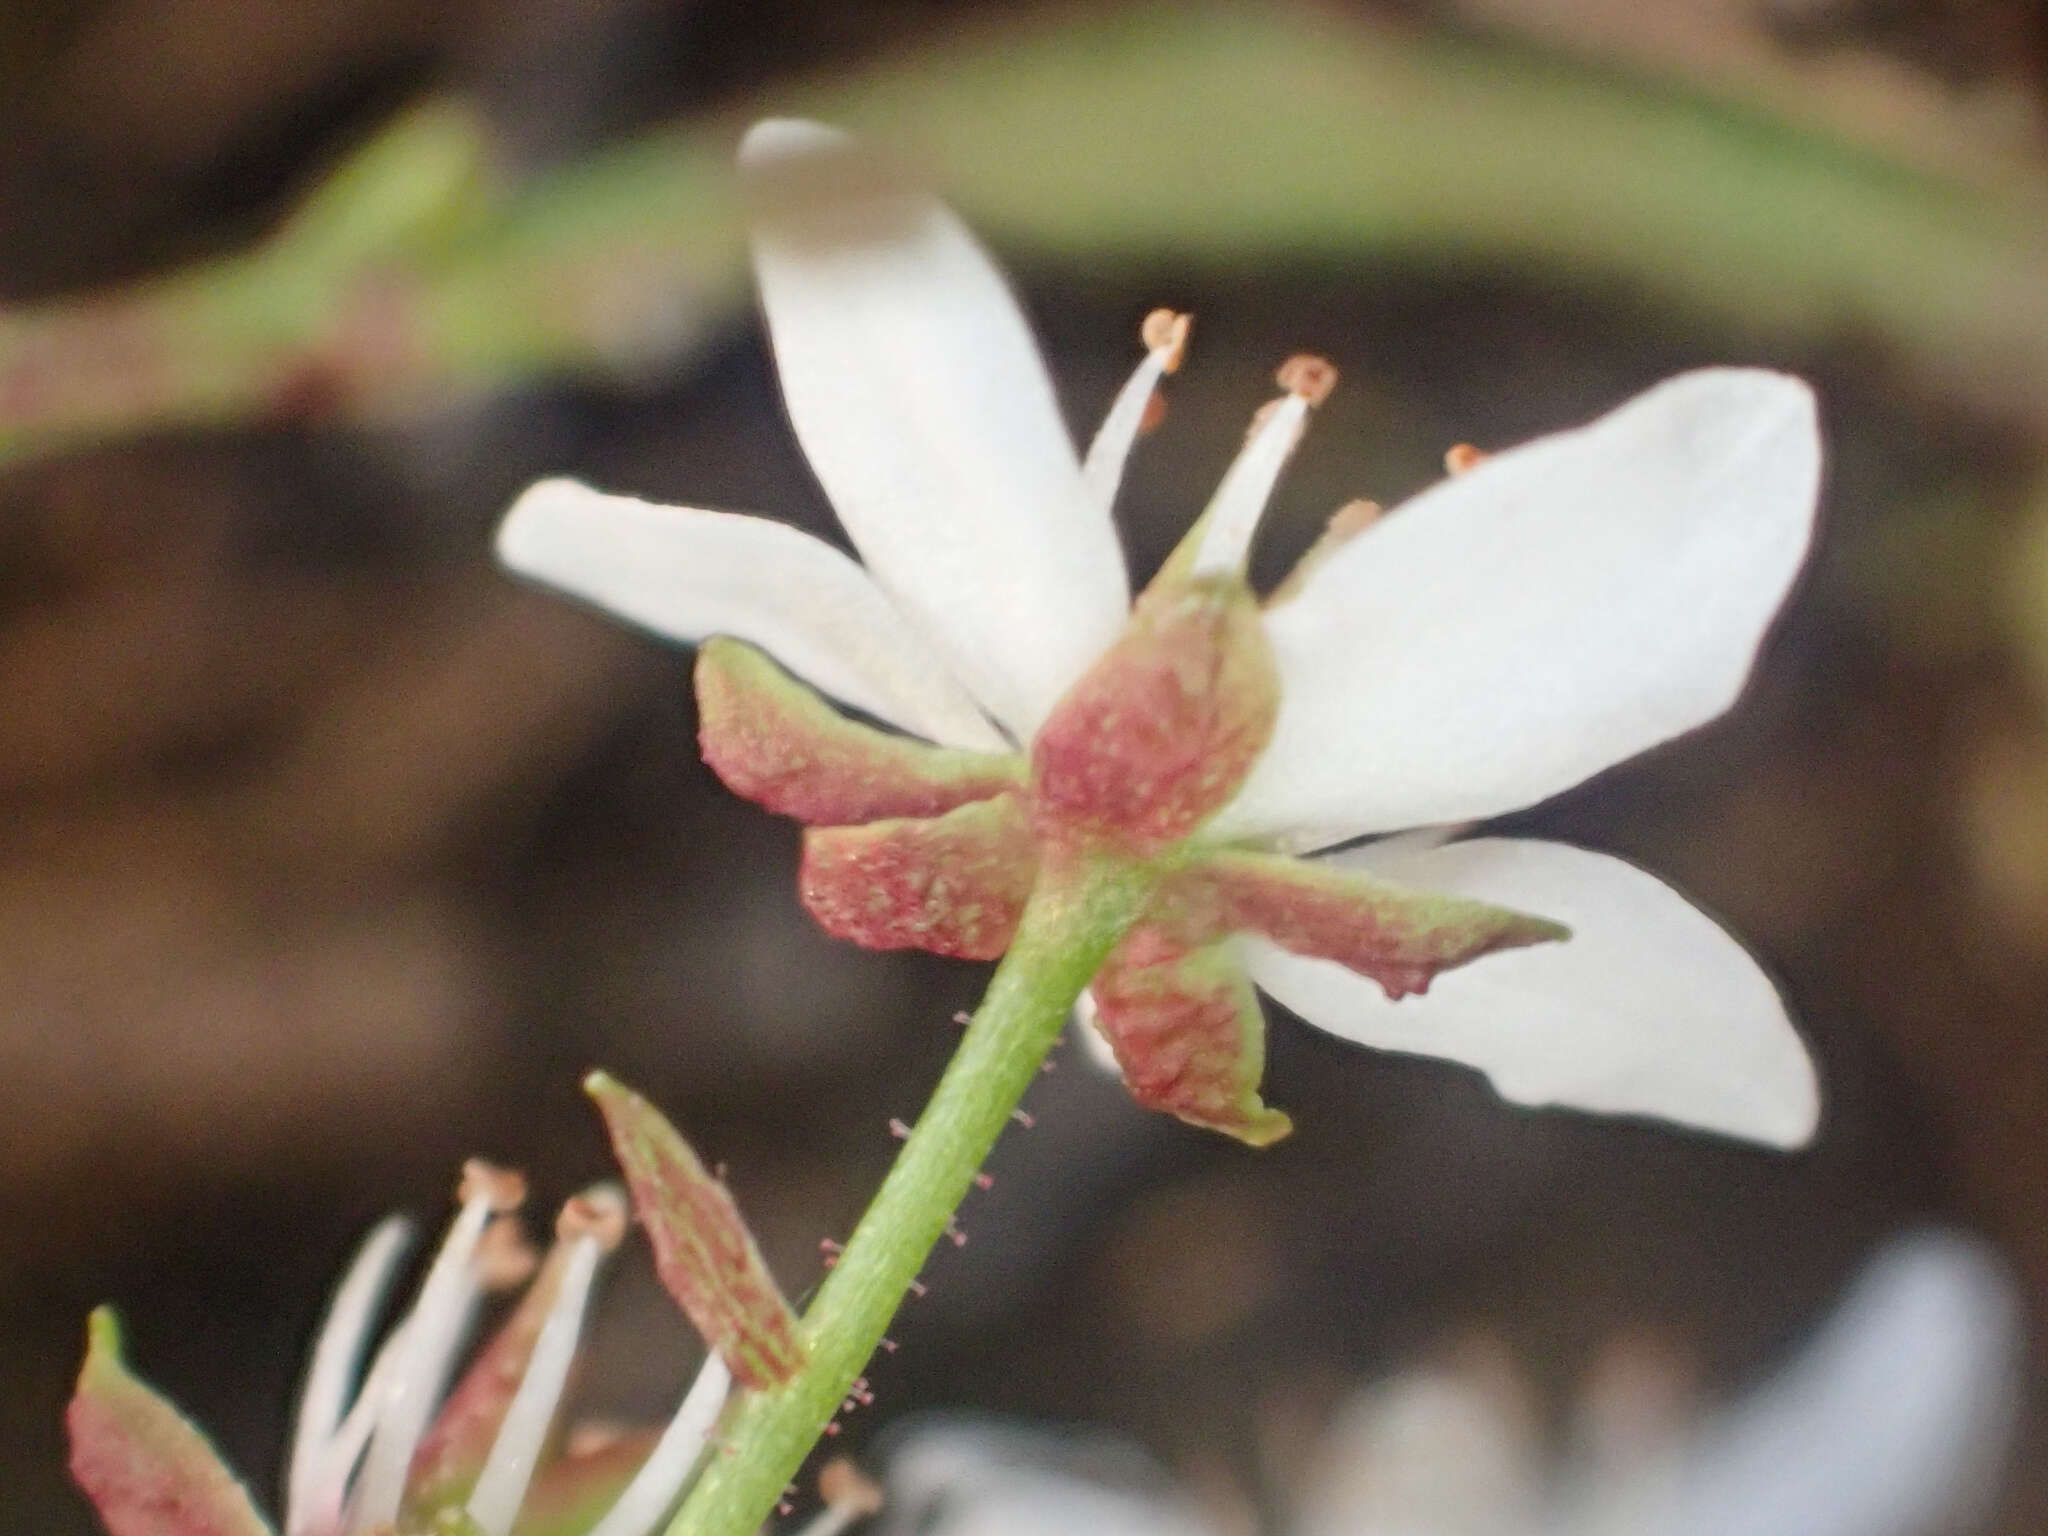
(702, 1248)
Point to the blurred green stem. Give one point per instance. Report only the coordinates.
(1318, 138)
(1073, 920)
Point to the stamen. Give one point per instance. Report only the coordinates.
(848, 1496)
(1345, 524)
(1165, 335)
(667, 1468)
(327, 1485)
(592, 1225)
(505, 1260)
(1309, 376)
(1226, 527)
(336, 1355)
(1462, 457)
(432, 1335)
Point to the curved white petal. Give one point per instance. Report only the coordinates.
(1892, 1422)
(919, 398)
(1648, 1009)
(688, 574)
(1563, 606)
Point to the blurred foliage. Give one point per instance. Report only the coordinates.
(1222, 135)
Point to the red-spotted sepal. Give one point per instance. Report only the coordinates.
(954, 884)
(702, 1249)
(775, 742)
(1157, 736)
(146, 1469)
(1400, 938)
(1187, 1032)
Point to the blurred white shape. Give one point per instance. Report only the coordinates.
(1893, 1421)
(1446, 1452)
(983, 1478)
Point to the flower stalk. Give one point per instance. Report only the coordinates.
(1077, 913)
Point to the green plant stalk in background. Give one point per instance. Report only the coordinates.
(1073, 920)
(403, 285)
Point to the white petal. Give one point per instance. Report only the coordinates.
(1648, 1009)
(1095, 1047)
(1563, 606)
(1892, 1422)
(1449, 1452)
(919, 398)
(688, 574)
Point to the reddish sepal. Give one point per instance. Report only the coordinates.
(702, 1249)
(774, 741)
(1398, 937)
(1187, 1032)
(955, 885)
(1157, 736)
(146, 1469)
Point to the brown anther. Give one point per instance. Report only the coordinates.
(1345, 524)
(844, 1487)
(1463, 456)
(1354, 517)
(1165, 331)
(1154, 414)
(1309, 376)
(599, 1212)
(505, 1189)
(505, 1260)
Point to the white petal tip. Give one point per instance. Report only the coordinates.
(776, 140)
(535, 524)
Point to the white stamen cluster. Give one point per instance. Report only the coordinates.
(350, 1459)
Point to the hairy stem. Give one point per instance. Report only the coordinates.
(1074, 919)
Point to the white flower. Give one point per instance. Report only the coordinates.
(1500, 638)
(1891, 1421)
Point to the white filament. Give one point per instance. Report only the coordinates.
(328, 1478)
(1234, 511)
(662, 1476)
(501, 1486)
(420, 1367)
(1103, 470)
(336, 1354)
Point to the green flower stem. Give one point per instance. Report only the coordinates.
(1073, 920)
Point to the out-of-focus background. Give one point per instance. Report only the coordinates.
(329, 857)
